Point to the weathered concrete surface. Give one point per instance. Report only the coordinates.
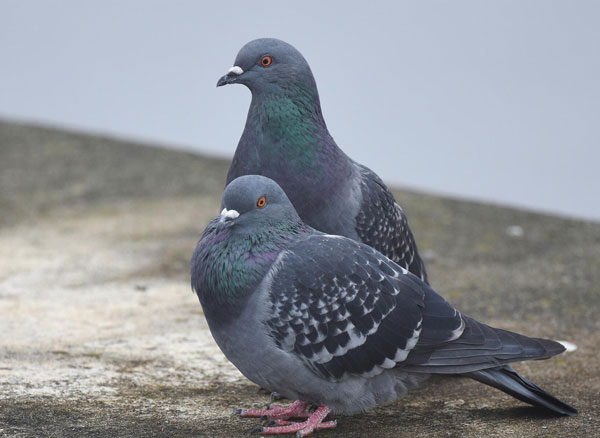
(101, 335)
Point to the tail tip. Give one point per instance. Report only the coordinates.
(572, 412)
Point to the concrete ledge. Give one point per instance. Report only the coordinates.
(102, 336)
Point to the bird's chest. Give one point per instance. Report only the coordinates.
(245, 342)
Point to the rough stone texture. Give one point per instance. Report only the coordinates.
(102, 336)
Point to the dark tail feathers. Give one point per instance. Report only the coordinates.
(506, 379)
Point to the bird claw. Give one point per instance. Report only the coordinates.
(273, 411)
(275, 396)
(313, 422)
(275, 420)
(256, 430)
(236, 412)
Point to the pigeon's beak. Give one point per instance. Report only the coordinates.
(231, 77)
(226, 219)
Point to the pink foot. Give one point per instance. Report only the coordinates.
(304, 428)
(298, 409)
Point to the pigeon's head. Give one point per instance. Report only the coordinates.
(269, 65)
(254, 200)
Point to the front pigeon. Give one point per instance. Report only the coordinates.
(331, 322)
(286, 139)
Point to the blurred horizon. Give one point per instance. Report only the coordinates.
(492, 102)
(179, 147)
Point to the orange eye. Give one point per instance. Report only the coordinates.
(262, 201)
(266, 61)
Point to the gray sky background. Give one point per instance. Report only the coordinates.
(491, 100)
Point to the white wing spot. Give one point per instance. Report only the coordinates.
(410, 344)
(458, 332)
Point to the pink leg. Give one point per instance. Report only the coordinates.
(298, 409)
(305, 428)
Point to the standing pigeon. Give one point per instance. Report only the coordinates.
(286, 139)
(330, 321)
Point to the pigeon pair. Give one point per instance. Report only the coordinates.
(340, 319)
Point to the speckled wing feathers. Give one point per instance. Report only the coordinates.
(382, 224)
(342, 307)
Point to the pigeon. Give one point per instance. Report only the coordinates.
(286, 139)
(333, 323)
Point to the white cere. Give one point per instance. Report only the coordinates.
(232, 214)
(235, 70)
